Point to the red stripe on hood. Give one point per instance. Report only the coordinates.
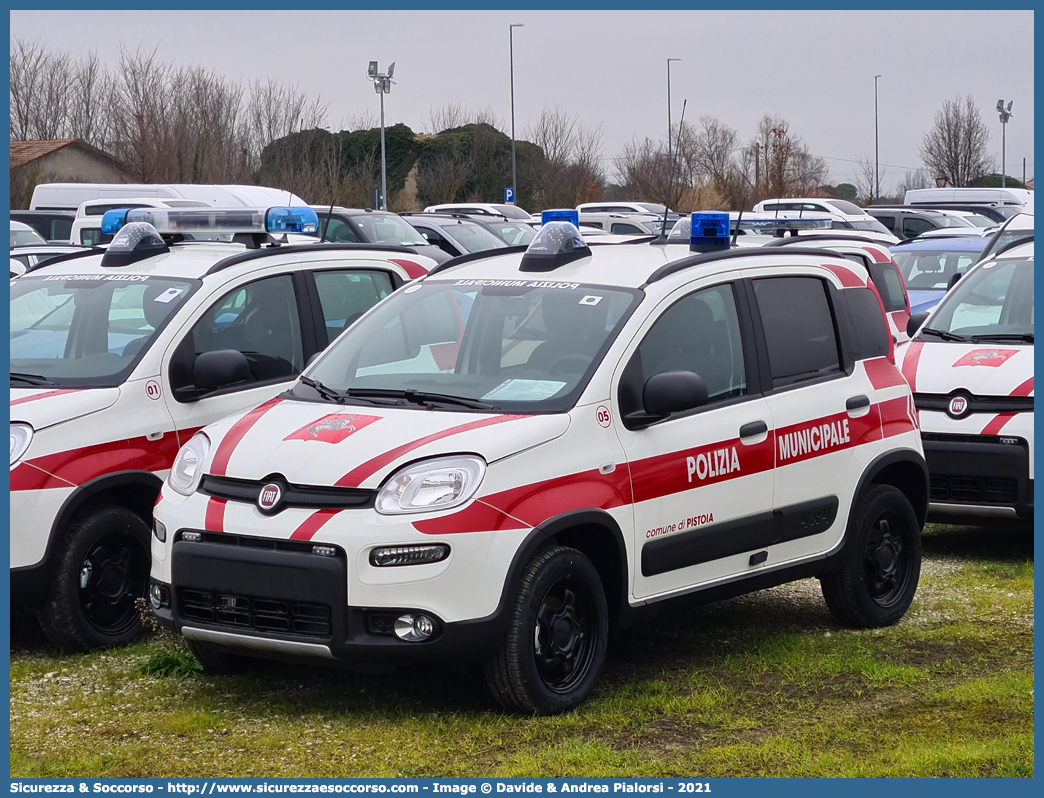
(214, 519)
(913, 355)
(1025, 389)
(359, 474)
(312, 524)
(22, 400)
(235, 434)
(998, 421)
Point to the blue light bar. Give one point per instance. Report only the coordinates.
(570, 215)
(295, 219)
(113, 220)
(709, 230)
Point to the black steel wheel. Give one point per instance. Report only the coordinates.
(100, 573)
(882, 565)
(555, 645)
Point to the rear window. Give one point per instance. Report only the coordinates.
(871, 333)
(846, 207)
(889, 285)
(799, 329)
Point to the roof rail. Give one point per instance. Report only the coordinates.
(710, 257)
(253, 254)
(473, 256)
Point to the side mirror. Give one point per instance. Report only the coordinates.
(673, 392)
(915, 322)
(953, 280)
(220, 368)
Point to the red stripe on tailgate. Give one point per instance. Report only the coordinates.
(235, 434)
(357, 475)
(847, 277)
(412, 268)
(882, 374)
(22, 400)
(214, 519)
(312, 524)
(913, 355)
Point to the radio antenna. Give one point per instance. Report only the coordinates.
(739, 219)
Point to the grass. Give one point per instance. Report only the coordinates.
(763, 685)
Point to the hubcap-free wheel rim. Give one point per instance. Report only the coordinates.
(112, 577)
(564, 644)
(886, 560)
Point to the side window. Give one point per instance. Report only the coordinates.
(888, 222)
(871, 332)
(913, 226)
(260, 320)
(622, 228)
(799, 328)
(889, 285)
(339, 231)
(346, 295)
(701, 334)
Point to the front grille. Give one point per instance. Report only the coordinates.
(946, 437)
(252, 613)
(308, 496)
(939, 402)
(245, 541)
(953, 489)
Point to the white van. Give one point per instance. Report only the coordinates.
(973, 196)
(69, 196)
(845, 215)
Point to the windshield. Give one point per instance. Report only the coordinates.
(945, 220)
(387, 228)
(979, 221)
(846, 207)
(503, 345)
(472, 237)
(652, 207)
(924, 270)
(869, 224)
(25, 238)
(515, 234)
(994, 301)
(87, 330)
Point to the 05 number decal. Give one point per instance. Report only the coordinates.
(603, 415)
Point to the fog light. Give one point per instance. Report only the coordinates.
(414, 628)
(1010, 441)
(159, 595)
(159, 530)
(324, 551)
(192, 537)
(408, 555)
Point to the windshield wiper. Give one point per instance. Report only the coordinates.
(946, 336)
(32, 379)
(327, 393)
(1027, 337)
(418, 397)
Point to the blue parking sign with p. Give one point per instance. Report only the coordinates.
(509, 196)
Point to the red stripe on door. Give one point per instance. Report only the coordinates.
(235, 434)
(666, 474)
(913, 355)
(882, 374)
(357, 475)
(214, 519)
(313, 524)
(22, 400)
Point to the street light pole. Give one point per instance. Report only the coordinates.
(877, 163)
(668, 202)
(511, 50)
(382, 85)
(1005, 115)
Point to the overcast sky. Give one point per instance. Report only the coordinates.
(815, 68)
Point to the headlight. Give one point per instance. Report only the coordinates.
(188, 465)
(431, 485)
(21, 435)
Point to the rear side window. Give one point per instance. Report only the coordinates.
(889, 285)
(871, 332)
(799, 329)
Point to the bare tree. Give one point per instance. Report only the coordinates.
(866, 180)
(956, 145)
(570, 166)
(913, 180)
(28, 63)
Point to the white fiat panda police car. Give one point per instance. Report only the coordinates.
(970, 366)
(512, 456)
(117, 358)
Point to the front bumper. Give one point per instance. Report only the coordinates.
(978, 475)
(281, 601)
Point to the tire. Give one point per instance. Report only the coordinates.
(882, 563)
(217, 662)
(101, 571)
(553, 650)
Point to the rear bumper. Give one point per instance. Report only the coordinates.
(978, 476)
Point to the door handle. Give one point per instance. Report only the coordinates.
(857, 403)
(752, 429)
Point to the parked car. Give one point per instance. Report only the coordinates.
(481, 209)
(70, 196)
(906, 223)
(118, 357)
(32, 257)
(365, 226)
(653, 208)
(1017, 228)
(970, 366)
(523, 451)
(23, 235)
(54, 226)
(931, 266)
(846, 215)
(455, 234)
(514, 232)
(622, 224)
